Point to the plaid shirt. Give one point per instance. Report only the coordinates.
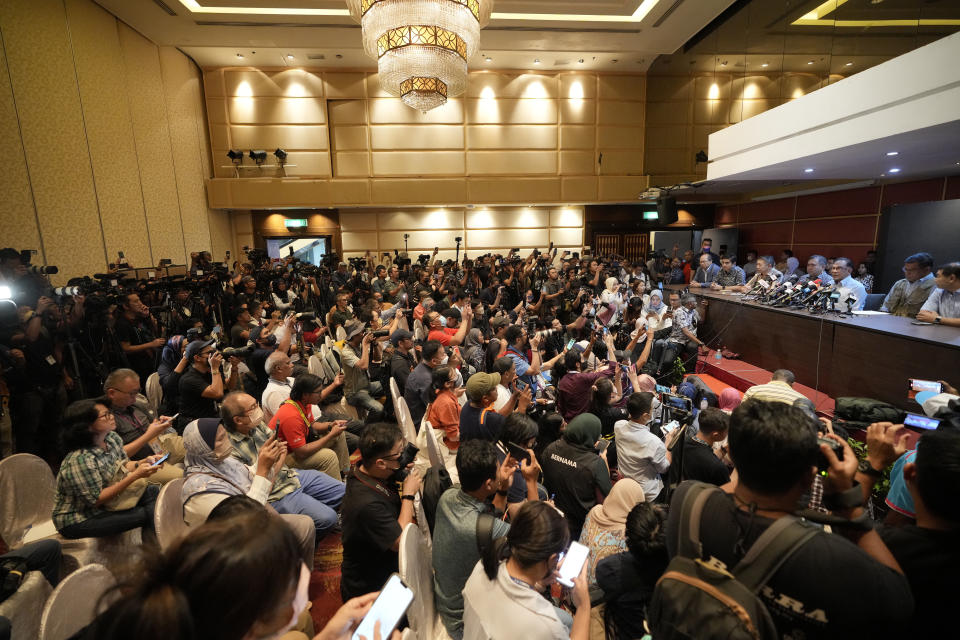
(83, 475)
(247, 447)
(731, 278)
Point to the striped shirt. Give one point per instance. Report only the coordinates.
(943, 303)
(246, 448)
(773, 391)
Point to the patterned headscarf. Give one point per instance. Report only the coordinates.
(206, 474)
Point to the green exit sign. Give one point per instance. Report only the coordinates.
(295, 223)
(650, 215)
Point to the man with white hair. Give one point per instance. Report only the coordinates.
(279, 368)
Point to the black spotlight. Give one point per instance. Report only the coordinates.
(259, 156)
(701, 156)
(281, 156)
(236, 156)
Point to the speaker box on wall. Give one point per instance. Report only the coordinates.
(667, 209)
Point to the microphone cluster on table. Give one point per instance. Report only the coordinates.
(811, 295)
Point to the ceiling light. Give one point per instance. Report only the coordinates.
(809, 61)
(893, 153)
(240, 55)
(849, 64)
(764, 65)
(281, 156)
(421, 46)
(581, 61)
(808, 170)
(289, 56)
(536, 61)
(489, 59)
(258, 156)
(894, 170)
(236, 156)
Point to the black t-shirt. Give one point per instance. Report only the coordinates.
(829, 588)
(192, 403)
(237, 340)
(627, 588)
(931, 561)
(256, 364)
(134, 333)
(471, 427)
(488, 296)
(400, 367)
(575, 474)
(698, 463)
(369, 514)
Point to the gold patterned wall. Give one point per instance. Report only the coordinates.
(107, 140)
(511, 138)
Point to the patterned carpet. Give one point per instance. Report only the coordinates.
(325, 580)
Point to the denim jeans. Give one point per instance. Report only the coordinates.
(110, 523)
(319, 496)
(364, 398)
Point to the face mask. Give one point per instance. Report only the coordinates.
(256, 417)
(299, 604)
(263, 313)
(222, 448)
(407, 456)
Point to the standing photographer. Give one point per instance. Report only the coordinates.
(359, 390)
(136, 330)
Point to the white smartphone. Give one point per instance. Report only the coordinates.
(572, 563)
(389, 607)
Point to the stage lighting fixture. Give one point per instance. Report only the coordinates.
(236, 156)
(281, 156)
(259, 156)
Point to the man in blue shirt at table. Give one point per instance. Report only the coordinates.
(943, 305)
(705, 272)
(841, 271)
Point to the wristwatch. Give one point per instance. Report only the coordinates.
(408, 496)
(867, 469)
(936, 320)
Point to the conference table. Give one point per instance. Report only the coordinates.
(840, 355)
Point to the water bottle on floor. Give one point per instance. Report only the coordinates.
(717, 356)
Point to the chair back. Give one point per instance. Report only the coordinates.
(874, 301)
(314, 366)
(24, 607)
(73, 604)
(416, 569)
(405, 419)
(419, 332)
(394, 390)
(154, 392)
(433, 449)
(168, 514)
(27, 492)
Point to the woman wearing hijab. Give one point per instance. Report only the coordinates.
(473, 352)
(604, 529)
(213, 475)
(575, 474)
(611, 295)
(656, 307)
(792, 269)
(173, 363)
(730, 399)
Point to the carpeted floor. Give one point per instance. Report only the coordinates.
(325, 580)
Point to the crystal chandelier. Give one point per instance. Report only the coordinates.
(422, 46)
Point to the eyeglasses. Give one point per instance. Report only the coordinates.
(108, 414)
(126, 393)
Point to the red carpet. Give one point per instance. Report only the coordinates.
(325, 580)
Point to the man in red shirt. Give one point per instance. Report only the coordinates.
(454, 333)
(307, 439)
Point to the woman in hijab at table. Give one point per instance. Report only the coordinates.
(213, 475)
(604, 529)
(578, 477)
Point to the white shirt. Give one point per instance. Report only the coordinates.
(503, 397)
(501, 609)
(641, 456)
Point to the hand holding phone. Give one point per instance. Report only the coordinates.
(571, 563)
(159, 461)
(387, 609)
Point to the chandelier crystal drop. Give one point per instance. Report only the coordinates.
(421, 46)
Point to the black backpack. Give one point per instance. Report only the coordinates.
(860, 413)
(13, 571)
(701, 598)
(435, 482)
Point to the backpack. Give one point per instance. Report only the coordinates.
(862, 412)
(700, 598)
(13, 571)
(435, 482)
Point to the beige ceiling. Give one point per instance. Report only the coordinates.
(610, 35)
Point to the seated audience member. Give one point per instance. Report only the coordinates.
(838, 585)
(417, 393)
(574, 472)
(203, 385)
(450, 328)
(908, 294)
(729, 275)
(359, 390)
(444, 413)
(696, 459)
(173, 364)
(456, 549)
(574, 388)
(730, 399)
(864, 277)
(779, 389)
(522, 431)
(683, 334)
(927, 551)
(527, 370)
(94, 498)
(604, 529)
(816, 270)
(641, 456)
(402, 362)
(842, 272)
(200, 588)
(214, 475)
(502, 597)
(302, 491)
(509, 398)
(313, 443)
(144, 436)
(374, 513)
(478, 418)
(240, 331)
(627, 579)
(604, 398)
(943, 305)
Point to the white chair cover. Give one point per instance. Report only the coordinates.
(405, 419)
(154, 392)
(73, 604)
(27, 493)
(419, 332)
(25, 607)
(168, 514)
(313, 364)
(416, 569)
(394, 390)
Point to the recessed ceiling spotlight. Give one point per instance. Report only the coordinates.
(808, 170)
(894, 170)
(580, 60)
(893, 153)
(488, 59)
(849, 64)
(765, 65)
(809, 61)
(289, 56)
(723, 64)
(240, 55)
(614, 61)
(536, 61)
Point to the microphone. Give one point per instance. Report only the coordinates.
(812, 289)
(822, 291)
